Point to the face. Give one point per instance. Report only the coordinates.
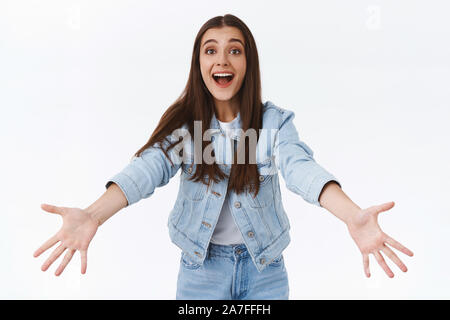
(222, 52)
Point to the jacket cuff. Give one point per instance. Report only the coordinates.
(317, 185)
(128, 187)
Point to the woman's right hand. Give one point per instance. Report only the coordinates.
(76, 233)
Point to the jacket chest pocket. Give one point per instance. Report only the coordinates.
(194, 191)
(265, 195)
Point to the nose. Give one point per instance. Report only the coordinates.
(222, 59)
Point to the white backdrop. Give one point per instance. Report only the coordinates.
(83, 84)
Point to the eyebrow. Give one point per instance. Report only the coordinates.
(231, 40)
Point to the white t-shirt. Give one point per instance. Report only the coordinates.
(226, 231)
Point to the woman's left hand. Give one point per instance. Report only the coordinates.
(370, 239)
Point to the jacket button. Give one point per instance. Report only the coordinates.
(198, 254)
(238, 251)
(237, 204)
(206, 224)
(189, 169)
(261, 178)
(250, 234)
(262, 260)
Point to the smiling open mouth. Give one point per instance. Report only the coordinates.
(223, 79)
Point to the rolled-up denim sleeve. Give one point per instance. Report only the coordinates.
(143, 174)
(294, 158)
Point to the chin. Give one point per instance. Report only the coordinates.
(222, 97)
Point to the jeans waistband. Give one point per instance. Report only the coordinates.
(227, 251)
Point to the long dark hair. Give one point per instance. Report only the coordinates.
(196, 103)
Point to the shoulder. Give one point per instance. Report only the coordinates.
(272, 107)
(274, 116)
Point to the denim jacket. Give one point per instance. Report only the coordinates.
(261, 220)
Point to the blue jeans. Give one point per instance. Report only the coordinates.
(228, 273)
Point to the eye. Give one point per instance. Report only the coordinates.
(238, 51)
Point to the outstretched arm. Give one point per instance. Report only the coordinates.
(136, 181)
(79, 227)
(363, 227)
(112, 201)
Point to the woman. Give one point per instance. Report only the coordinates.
(228, 218)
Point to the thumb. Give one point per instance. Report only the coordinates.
(385, 206)
(52, 209)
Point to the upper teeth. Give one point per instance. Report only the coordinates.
(222, 74)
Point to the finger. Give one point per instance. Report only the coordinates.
(65, 261)
(52, 209)
(83, 261)
(55, 254)
(383, 264)
(391, 254)
(385, 206)
(397, 245)
(48, 244)
(366, 265)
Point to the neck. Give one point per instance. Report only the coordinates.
(227, 110)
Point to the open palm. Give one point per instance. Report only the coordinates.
(370, 239)
(76, 233)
